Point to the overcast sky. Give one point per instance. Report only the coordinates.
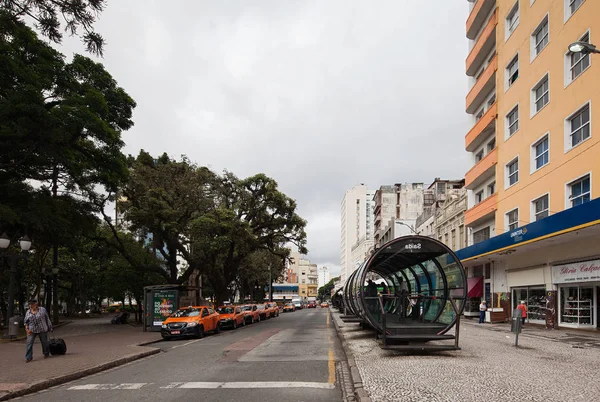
(319, 94)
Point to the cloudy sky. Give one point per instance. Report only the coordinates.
(319, 94)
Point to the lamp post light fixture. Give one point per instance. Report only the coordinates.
(12, 259)
(583, 47)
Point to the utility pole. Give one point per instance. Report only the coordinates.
(270, 284)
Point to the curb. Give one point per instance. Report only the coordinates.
(39, 386)
(357, 383)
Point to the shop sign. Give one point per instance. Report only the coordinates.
(587, 271)
(164, 305)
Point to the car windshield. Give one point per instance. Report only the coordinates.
(247, 308)
(188, 312)
(225, 310)
(261, 307)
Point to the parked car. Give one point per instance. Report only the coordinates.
(289, 308)
(231, 316)
(252, 313)
(263, 311)
(191, 321)
(273, 309)
(324, 305)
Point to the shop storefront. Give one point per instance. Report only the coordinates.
(535, 300)
(578, 290)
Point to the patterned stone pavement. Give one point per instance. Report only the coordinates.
(488, 368)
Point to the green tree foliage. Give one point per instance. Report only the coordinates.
(324, 292)
(77, 16)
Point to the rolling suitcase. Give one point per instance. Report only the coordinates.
(57, 346)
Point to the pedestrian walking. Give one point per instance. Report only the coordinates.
(37, 324)
(482, 310)
(523, 309)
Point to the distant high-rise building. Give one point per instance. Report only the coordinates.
(324, 276)
(357, 222)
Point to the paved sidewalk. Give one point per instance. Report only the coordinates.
(92, 346)
(548, 365)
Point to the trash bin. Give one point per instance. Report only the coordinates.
(14, 324)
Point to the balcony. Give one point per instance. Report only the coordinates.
(482, 88)
(486, 209)
(483, 170)
(481, 129)
(483, 46)
(477, 17)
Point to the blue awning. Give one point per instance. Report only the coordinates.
(579, 217)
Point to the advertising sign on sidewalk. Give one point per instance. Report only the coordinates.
(165, 303)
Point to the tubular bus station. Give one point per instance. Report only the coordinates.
(411, 292)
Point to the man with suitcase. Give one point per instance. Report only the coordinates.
(37, 323)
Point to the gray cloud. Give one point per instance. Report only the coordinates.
(320, 95)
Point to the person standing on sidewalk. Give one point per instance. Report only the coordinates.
(37, 323)
(523, 309)
(482, 310)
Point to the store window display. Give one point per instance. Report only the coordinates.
(576, 305)
(535, 301)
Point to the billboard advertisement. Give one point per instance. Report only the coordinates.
(165, 303)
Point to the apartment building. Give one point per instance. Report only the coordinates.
(394, 205)
(356, 222)
(434, 196)
(533, 212)
(324, 276)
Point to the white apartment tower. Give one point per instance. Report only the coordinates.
(324, 276)
(357, 223)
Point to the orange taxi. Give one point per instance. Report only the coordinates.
(252, 313)
(231, 316)
(191, 321)
(289, 307)
(272, 309)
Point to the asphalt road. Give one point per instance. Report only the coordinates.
(288, 358)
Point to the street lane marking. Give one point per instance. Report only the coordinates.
(254, 385)
(187, 343)
(137, 385)
(331, 360)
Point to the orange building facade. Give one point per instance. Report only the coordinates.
(535, 159)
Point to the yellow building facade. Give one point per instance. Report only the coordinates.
(534, 180)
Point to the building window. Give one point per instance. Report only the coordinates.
(540, 37)
(512, 219)
(479, 115)
(512, 19)
(579, 126)
(540, 208)
(541, 152)
(578, 62)
(535, 301)
(541, 95)
(492, 99)
(453, 239)
(512, 71)
(579, 191)
(491, 145)
(479, 156)
(512, 170)
(461, 236)
(512, 121)
(576, 305)
(479, 197)
(492, 188)
(481, 235)
(571, 6)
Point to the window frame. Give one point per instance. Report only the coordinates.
(508, 125)
(507, 83)
(507, 173)
(567, 8)
(568, 188)
(535, 156)
(569, 65)
(533, 207)
(507, 221)
(567, 126)
(509, 28)
(534, 53)
(534, 98)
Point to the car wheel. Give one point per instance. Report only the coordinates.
(218, 328)
(200, 332)
(234, 324)
(243, 323)
(166, 338)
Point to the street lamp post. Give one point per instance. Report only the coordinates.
(12, 259)
(55, 295)
(583, 47)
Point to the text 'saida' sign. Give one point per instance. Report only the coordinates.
(586, 271)
(412, 246)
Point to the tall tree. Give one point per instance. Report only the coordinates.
(77, 15)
